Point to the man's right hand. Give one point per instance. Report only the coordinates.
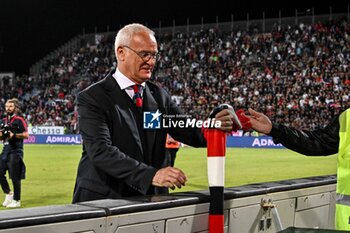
(259, 121)
(169, 177)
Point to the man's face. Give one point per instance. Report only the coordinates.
(10, 108)
(132, 64)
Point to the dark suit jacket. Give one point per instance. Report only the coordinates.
(119, 159)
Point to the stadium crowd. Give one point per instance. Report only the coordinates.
(298, 75)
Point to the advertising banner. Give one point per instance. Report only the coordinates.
(252, 142)
(39, 130)
(54, 139)
(232, 141)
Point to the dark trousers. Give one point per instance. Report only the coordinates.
(15, 175)
(3, 181)
(11, 162)
(171, 156)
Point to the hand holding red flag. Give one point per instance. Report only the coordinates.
(244, 121)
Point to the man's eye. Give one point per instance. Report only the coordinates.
(143, 54)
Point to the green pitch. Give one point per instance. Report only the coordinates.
(51, 170)
(248, 165)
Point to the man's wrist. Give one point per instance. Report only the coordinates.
(274, 132)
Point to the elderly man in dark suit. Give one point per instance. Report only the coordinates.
(120, 157)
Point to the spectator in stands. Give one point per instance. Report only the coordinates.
(120, 158)
(14, 130)
(332, 139)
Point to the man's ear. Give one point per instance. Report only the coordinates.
(120, 53)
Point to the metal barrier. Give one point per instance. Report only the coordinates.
(264, 207)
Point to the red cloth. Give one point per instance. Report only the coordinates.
(245, 122)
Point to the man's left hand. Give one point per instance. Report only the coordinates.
(228, 118)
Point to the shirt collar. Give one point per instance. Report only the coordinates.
(123, 81)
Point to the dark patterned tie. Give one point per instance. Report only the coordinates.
(137, 98)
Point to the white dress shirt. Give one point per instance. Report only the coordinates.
(126, 84)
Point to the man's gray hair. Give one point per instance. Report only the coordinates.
(125, 34)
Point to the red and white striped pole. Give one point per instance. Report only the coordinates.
(216, 150)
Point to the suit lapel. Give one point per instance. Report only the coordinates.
(150, 105)
(122, 105)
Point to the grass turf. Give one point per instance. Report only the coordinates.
(51, 170)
